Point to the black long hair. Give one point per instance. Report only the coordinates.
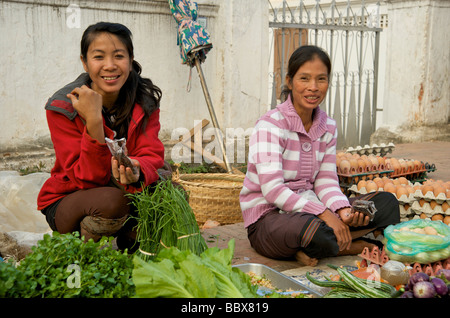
(136, 89)
(300, 56)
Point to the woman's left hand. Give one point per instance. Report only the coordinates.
(124, 174)
(354, 219)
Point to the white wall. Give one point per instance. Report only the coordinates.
(39, 53)
(417, 74)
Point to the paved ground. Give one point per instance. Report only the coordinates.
(431, 152)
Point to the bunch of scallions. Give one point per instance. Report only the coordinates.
(165, 219)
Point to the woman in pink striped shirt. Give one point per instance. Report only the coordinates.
(292, 168)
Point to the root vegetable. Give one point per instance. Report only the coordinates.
(416, 278)
(440, 286)
(424, 289)
(443, 273)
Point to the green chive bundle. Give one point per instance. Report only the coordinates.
(165, 219)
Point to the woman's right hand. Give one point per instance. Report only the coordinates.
(341, 230)
(88, 103)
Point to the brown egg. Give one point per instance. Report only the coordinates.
(390, 187)
(396, 181)
(406, 206)
(409, 188)
(371, 186)
(410, 165)
(379, 182)
(344, 166)
(437, 217)
(445, 206)
(417, 165)
(361, 184)
(433, 204)
(423, 216)
(427, 188)
(422, 202)
(348, 155)
(447, 219)
(361, 165)
(401, 190)
(381, 160)
(417, 187)
(353, 163)
(403, 180)
(447, 185)
(438, 189)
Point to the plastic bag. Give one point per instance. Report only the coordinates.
(405, 243)
(119, 151)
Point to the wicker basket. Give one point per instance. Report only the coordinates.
(213, 196)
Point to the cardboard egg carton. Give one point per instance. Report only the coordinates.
(402, 200)
(378, 150)
(379, 257)
(429, 196)
(427, 209)
(406, 211)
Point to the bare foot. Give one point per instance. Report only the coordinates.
(304, 259)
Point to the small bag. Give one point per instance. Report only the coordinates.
(365, 207)
(119, 152)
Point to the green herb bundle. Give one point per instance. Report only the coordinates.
(63, 265)
(165, 219)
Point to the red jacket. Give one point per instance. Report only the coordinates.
(81, 161)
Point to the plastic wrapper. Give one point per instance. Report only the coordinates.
(119, 152)
(420, 240)
(395, 272)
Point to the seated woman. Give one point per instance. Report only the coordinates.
(87, 187)
(291, 200)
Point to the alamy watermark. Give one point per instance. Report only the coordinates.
(74, 279)
(73, 16)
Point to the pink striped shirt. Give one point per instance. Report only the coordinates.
(290, 169)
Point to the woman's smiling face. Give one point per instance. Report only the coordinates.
(108, 64)
(309, 85)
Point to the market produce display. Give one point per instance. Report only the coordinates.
(183, 274)
(63, 265)
(351, 286)
(421, 285)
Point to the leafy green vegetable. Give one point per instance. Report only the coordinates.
(63, 265)
(183, 274)
(165, 219)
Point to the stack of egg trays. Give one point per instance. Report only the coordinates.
(377, 150)
(346, 181)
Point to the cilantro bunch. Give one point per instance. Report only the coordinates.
(62, 265)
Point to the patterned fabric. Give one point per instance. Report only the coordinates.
(193, 39)
(290, 169)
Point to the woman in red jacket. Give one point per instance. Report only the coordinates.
(86, 190)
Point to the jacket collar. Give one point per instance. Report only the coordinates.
(318, 128)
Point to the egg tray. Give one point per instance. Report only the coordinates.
(346, 181)
(402, 200)
(377, 150)
(380, 258)
(428, 210)
(419, 175)
(429, 196)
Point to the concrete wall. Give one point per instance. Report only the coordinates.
(39, 53)
(417, 86)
